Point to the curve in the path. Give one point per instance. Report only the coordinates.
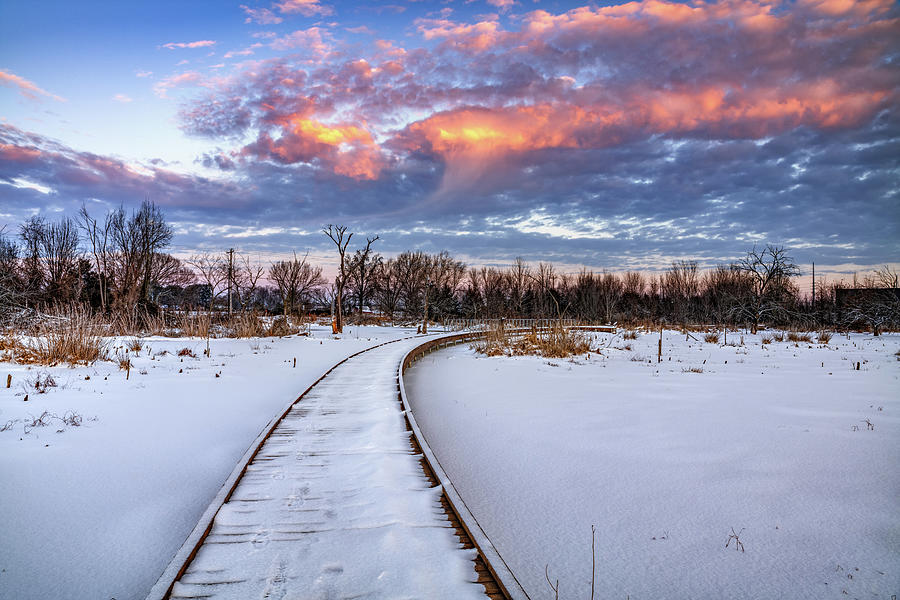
(347, 514)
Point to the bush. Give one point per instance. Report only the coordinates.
(712, 338)
(824, 337)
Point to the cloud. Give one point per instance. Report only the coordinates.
(198, 44)
(26, 88)
(307, 8)
(143, 74)
(643, 128)
(263, 16)
(189, 78)
(312, 40)
(122, 98)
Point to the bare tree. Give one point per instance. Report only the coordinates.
(99, 238)
(519, 276)
(210, 272)
(135, 241)
(338, 234)
(247, 278)
(769, 272)
(361, 269)
(388, 292)
(297, 281)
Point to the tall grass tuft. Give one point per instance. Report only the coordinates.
(711, 338)
(70, 335)
(793, 336)
(824, 337)
(553, 342)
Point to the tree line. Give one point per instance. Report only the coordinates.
(119, 264)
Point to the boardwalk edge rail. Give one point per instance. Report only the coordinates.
(505, 578)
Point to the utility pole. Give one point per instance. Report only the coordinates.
(230, 277)
(814, 288)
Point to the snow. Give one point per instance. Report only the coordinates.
(97, 511)
(665, 462)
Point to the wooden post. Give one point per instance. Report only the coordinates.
(659, 350)
(8, 380)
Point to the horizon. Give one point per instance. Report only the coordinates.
(607, 136)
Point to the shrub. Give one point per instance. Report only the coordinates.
(135, 345)
(630, 335)
(712, 338)
(824, 337)
(765, 340)
(187, 352)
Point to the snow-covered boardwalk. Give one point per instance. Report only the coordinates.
(335, 504)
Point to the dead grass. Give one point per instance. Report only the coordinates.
(824, 337)
(69, 419)
(42, 382)
(765, 340)
(282, 326)
(711, 338)
(556, 342)
(248, 326)
(187, 352)
(630, 335)
(778, 337)
(135, 345)
(67, 335)
(693, 370)
(795, 337)
(193, 325)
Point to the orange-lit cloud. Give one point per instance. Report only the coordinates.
(27, 88)
(344, 149)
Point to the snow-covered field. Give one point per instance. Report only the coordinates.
(96, 511)
(787, 446)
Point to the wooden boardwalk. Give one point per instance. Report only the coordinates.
(337, 502)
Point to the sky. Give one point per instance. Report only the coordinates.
(603, 135)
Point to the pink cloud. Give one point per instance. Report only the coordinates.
(263, 16)
(198, 44)
(26, 88)
(583, 79)
(189, 78)
(307, 8)
(311, 40)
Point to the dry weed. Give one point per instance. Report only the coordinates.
(630, 335)
(795, 337)
(824, 337)
(711, 338)
(555, 342)
(69, 335)
(282, 326)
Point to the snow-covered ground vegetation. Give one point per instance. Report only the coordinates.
(765, 468)
(106, 468)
